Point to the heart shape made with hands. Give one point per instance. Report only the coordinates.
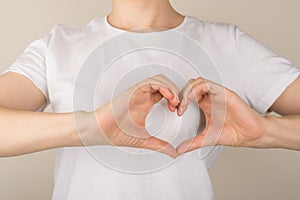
(228, 120)
(196, 102)
(124, 124)
(210, 98)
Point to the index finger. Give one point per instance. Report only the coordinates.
(167, 84)
(171, 85)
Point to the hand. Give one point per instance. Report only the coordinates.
(123, 119)
(229, 120)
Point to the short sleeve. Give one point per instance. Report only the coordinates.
(265, 75)
(32, 64)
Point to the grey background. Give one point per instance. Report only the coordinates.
(238, 173)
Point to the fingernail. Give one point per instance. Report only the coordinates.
(180, 110)
(179, 152)
(174, 155)
(173, 109)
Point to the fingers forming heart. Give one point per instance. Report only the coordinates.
(211, 100)
(143, 96)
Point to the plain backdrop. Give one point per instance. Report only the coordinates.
(238, 173)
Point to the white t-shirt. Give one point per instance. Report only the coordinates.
(72, 56)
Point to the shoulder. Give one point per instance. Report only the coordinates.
(71, 33)
(219, 34)
(70, 29)
(215, 36)
(212, 27)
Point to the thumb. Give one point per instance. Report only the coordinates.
(158, 145)
(197, 142)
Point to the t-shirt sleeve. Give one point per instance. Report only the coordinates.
(265, 75)
(32, 64)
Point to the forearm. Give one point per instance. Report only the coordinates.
(24, 132)
(283, 132)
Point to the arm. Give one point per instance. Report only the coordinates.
(24, 131)
(284, 131)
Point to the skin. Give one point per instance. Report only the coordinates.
(120, 122)
(23, 130)
(123, 120)
(133, 14)
(243, 126)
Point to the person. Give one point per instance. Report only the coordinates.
(256, 82)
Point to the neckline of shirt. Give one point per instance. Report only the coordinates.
(109, 26)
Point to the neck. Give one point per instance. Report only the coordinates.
(141, 14)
